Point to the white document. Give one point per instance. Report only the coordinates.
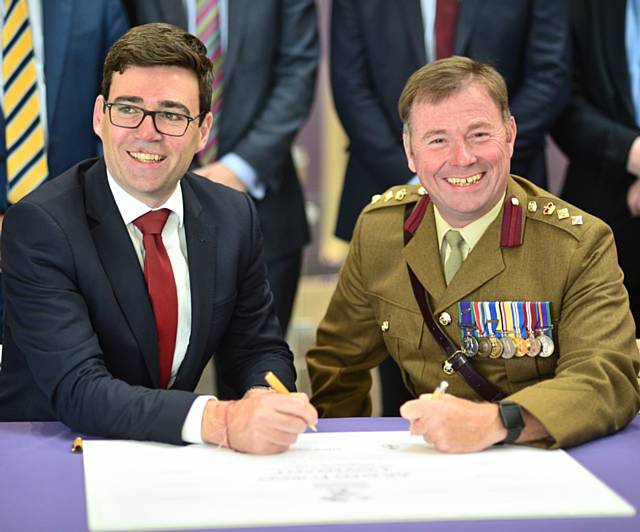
(338, 477)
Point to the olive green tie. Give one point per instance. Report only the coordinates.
(455, 241)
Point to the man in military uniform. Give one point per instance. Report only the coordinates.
(526, 287)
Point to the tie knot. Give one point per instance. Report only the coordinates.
(152, 222)
(453, 238)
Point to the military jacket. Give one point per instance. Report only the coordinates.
(587, 388)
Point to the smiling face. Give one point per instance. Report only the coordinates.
(460, 148)
(145, 163)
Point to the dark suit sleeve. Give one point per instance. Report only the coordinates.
(546, 83)
(591, 128)
(252, 343)
(359, 107)
(51, 325)
(268, 140)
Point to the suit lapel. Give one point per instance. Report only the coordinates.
(200, 232)
(121, 265)
(56, 19)
(465, 24)
(413, 21)
(612, 15)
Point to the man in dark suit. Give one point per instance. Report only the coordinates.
(600, 128)
(269, 63)
(76, 36)
(376, 45)
(85, 340)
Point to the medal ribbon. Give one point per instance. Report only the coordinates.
(544, 313)
(477, 314)
(507, 318)
(486, 305)
(466, 316)
(518, 318)
(528, 317)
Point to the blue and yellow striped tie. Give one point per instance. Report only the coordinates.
(24, 135)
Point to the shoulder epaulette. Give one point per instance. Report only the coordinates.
(397, 195)
(555, 212)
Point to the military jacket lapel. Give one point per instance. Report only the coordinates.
(485, 261)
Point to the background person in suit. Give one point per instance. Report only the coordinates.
(71, 39)
(600, 128)
(269, 59)
(376, 45)
(86, 342)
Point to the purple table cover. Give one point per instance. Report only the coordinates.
(42, 482)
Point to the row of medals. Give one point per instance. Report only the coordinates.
(508, 346)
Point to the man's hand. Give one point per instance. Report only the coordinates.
(454, 425)
(633, 198)
(633, 159)
(219, 173)
(262, 422)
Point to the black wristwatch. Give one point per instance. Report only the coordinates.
(511, 415)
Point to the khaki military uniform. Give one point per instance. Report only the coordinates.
(586, 389)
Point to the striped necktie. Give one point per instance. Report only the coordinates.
(24, 134)
(208, 31)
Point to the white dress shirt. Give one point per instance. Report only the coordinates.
(174, 239)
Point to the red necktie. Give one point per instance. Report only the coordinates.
(161, 286)
(446, 16)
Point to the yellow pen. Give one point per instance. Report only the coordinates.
(275, 383)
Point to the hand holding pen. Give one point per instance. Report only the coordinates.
(452, 424)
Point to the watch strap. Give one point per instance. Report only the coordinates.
(512, 419)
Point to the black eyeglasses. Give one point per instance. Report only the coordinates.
(166, 122)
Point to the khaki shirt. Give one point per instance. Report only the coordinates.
(587, 388)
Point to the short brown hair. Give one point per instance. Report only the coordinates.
(161, 45)
(434, 82)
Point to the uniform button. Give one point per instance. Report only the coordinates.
(444, 318)
(384, 326)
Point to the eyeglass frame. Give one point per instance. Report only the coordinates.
(152, 114)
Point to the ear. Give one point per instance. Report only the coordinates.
(99, 115)
(406, 142)
(204, 130)
(512, 131)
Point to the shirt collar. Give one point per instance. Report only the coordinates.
(131, 208)
(471, 232)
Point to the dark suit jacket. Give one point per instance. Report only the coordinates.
(77, 36)
(269, 78)
(80, 340)
(598, 126)
(376, 45)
